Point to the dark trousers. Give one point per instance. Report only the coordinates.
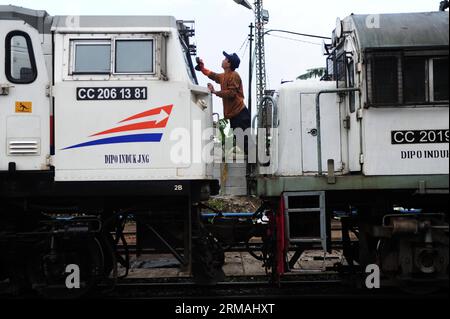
(243, 121)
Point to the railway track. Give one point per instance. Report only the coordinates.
(304, 286)
(295, 287)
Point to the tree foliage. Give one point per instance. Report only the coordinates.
(312, 74)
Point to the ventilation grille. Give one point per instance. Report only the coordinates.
(24, 147)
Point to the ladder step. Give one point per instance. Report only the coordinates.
(301, 228)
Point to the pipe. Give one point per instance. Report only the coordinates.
(319, 133)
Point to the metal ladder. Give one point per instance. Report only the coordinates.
(291, 212)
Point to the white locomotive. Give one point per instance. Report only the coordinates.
(91, 112)
(369, 143)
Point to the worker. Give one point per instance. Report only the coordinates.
(231, 92)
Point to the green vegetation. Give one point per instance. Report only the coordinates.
(312, 74)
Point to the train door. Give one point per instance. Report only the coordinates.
(24, 99)
(330, 131)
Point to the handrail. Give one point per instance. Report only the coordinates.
(274, 109)
(274, 124)
(255, 118)
(319, 131)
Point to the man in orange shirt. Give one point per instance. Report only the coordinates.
(231, 92)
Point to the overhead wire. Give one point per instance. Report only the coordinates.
(243, 43)
(292, 39)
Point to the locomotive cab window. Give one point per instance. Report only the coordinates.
(384, 79)
(20, 61)
(351, 84)
(135, 56)
(330, 69)
(407, 78)
(91, 57)
(415, 79)
(117, 56)
(440, 79)
(341, 70)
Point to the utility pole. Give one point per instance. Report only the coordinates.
(250, 72)
(261, 18)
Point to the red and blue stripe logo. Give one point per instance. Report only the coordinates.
(156, 118)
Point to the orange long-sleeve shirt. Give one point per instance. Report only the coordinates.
(231, 92)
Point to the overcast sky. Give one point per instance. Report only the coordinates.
(223, 25)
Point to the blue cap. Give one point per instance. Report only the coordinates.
(233, 59)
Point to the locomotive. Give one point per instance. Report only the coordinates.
(90, 110)
(368, 145)
(102, 120)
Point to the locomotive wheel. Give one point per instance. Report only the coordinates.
(389, 253)
(208, 260)
(47, 267)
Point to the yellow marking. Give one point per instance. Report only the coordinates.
(24, 107)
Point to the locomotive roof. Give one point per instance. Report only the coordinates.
(425, 29)
(38, 19)
(118, 22)
(44, 23)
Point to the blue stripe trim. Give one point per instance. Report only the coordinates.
(139, 138)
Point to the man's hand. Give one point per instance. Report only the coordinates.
(211, 88)
(200, 64)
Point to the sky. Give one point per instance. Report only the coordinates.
(222, 25)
